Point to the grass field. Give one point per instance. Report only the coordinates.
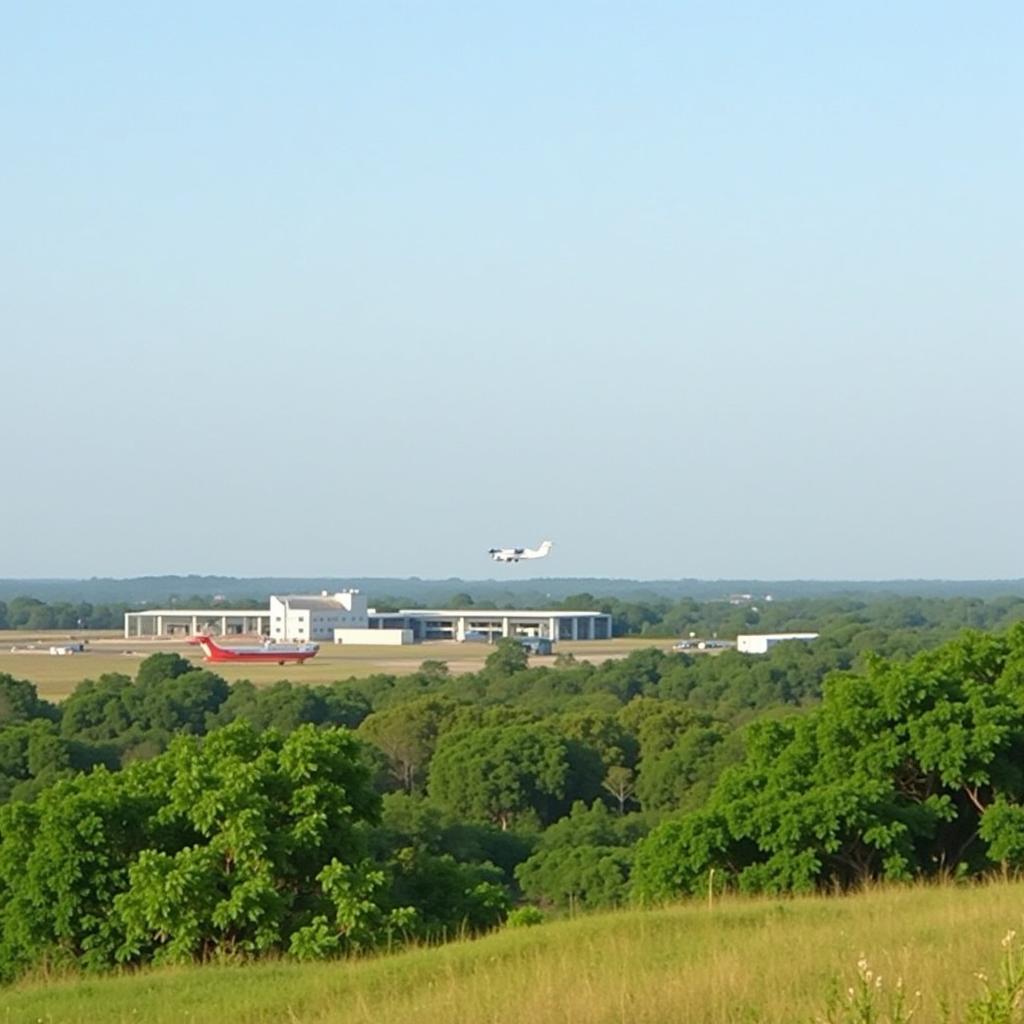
(744, 961)
(55, 677)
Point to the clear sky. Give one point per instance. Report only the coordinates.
(693, 289)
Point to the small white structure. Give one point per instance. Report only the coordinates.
(302, 617)
(374, 637)
(761, 643)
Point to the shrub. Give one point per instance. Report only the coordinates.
(525, 917)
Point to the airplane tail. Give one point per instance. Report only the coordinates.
(544, 548)
(206, 642)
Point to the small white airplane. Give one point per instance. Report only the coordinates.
(514, 554)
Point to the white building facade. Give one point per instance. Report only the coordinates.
(304, 617)
(761, 643)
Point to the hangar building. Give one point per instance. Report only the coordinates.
(171, 622)
(761, 643)
(478, 624)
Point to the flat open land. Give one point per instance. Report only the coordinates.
(766, 961)
(56, 676)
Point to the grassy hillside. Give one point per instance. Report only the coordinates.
(747, 960)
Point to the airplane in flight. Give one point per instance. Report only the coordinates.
(514, 554)
(266, 652)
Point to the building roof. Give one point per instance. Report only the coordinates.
(778, 636)
(214, 613)
(311, 602)
(490, 613)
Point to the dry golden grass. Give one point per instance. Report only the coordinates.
(56, 677)
(747, 960)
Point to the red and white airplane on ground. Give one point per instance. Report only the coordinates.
(266, 652)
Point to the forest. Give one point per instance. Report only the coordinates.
(172, 816)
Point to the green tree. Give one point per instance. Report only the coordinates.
(269, 815)
(285, 706)
(32, 755)
(683, 775)
(408, 734)
(40, 617)
(97, 709)
(619, 782)
(20, 702)
(161, 666)
(604, 732)
(412, 822)
(229, 844)
(434, 669)
(583, 860)
(508, 657)
(501, 773)
(181, 703)
(63, 860)
(449, 896)
(903, 770)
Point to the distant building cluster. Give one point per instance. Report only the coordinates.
(344, 618)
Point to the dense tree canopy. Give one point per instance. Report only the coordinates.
(583, 859)
(501, 773)
(219, 844)
(175, 816)
(908, 768)
(407, 735)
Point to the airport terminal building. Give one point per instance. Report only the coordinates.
(343, 617)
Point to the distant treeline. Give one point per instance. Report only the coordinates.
(157, 591)
(886, 624)
(876, 623)
(30, 613)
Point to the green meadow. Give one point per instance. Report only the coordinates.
(745, 960)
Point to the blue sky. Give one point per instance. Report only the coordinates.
(717, 290)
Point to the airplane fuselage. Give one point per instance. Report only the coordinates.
(508, 554)
(514, 554)
(269, 653)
